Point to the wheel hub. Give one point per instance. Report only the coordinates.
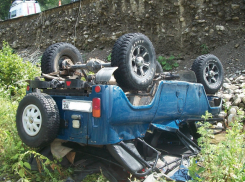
(139, 61)
(210, 73)
(31, 120)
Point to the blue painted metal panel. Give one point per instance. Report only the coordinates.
(182, 100)
(171, 126)
(174, 101)
(69, 133)
(120, 120)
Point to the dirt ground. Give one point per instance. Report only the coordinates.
(231, 55)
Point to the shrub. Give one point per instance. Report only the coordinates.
(167, 63)
(223, 161)
(14, 72)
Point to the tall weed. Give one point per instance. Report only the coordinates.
(10, 144)
(13, 73)
(221, 162)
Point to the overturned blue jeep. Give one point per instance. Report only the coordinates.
(125, 107)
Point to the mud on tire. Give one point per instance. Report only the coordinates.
(134, 55)
(209, 72)
(37, 120)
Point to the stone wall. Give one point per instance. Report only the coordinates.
(172, 25)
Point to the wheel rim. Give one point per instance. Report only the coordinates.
(140, 60)
(212, 73)
(32, 120)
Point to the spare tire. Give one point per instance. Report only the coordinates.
(209, 72)
(134, 55)
(37, 120)
(54, 55)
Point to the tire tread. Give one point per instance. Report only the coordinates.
(198, 66)
(119, 51)
(49, 128)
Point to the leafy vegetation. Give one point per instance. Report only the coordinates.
(14, 154)
(109, 57)
(10, 144)
(14, 72)
(98, 177)
(4, 8)
(45, 4)
(224, 161)
(204, 49)
(168, 63)
(48, 4)
(47, 170)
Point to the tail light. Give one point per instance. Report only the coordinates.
(97, 89)
(28, 87)
(68, 83)
(96, 107)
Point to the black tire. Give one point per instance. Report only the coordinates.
(37, 120)
(209, 72)
(158, 67)
(54, 55)
(134, 55)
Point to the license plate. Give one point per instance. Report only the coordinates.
(77, 105)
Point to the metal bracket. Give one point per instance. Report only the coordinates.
(104, 75)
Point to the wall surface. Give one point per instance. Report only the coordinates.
(172, 25)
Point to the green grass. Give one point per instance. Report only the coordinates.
(10, 144)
